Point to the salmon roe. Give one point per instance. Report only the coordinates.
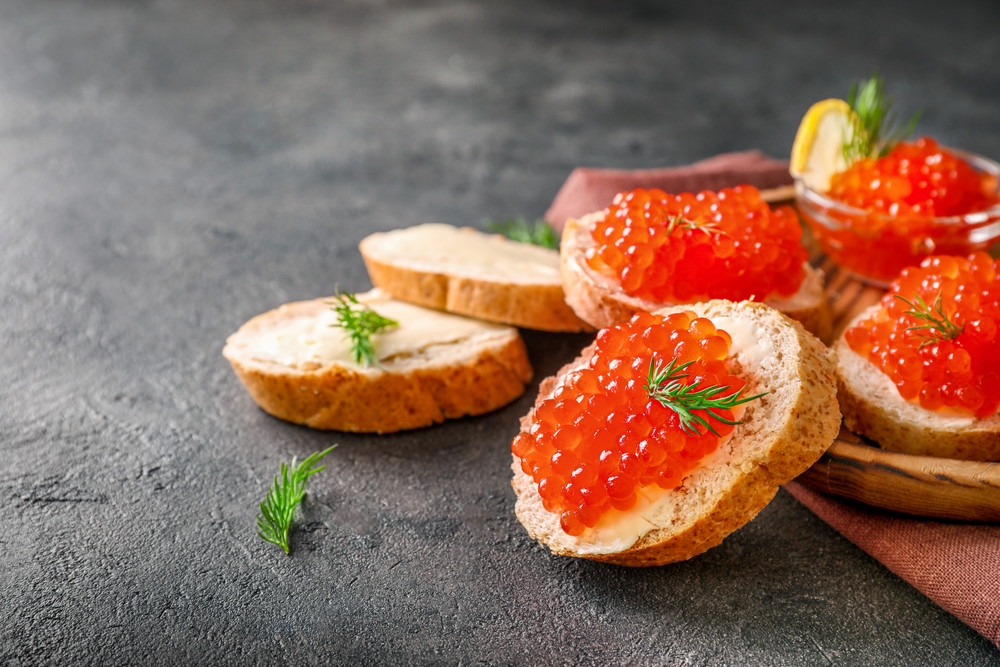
(684, 247)
(954, 363)
(916, 179)
(599, 438)
(910, 204)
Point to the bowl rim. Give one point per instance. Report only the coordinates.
(978, 162)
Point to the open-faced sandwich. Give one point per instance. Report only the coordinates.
(672, 430)
(651, 249)
(920, 371)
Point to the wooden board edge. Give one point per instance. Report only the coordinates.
(917, 485)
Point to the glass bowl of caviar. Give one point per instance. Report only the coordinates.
(881, 215)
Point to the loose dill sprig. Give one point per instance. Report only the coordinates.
(937, 326)
(359, 322)
(663, 383)
(277, 511)
(518, 229)
(675, 221)
(873, 134)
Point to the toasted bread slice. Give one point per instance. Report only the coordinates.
(297, 366)
(780, 435)
(873, 408)
(465, 271)
(599, 299)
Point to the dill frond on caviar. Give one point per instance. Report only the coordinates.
(664, 385)
(936, 325)
(874, 132)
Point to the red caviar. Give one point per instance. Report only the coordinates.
(953, 362)
(600, 438)
(684, 247)
(916, 179)
(898, 209)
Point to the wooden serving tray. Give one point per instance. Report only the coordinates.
(917, 485)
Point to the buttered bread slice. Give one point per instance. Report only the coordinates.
(297, 365)
(465, 271)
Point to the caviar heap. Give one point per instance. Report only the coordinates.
(936, 334)
(679, 248)
(623, 421)
(903, 209)
(915, 180)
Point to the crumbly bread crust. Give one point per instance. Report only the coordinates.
(399, 264)
(479, 373)
(599, 300)
(873, 408)
(781, 435)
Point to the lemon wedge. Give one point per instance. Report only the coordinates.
(817, 153)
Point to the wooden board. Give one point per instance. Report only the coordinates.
(918, 485)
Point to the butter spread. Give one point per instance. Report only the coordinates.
(472, 253)
(309, 342)
(750, 347)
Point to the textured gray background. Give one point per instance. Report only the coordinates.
(169, 169)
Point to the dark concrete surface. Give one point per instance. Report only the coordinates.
(170, 168)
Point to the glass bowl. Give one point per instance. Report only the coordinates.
(876, 246)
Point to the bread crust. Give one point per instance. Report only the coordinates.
(600, 300)
(873, 408)
(445, 381)
(435, 283)
(781, 435)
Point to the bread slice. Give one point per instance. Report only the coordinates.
(873, 408)
(781, 435)
(434, 366)
(599, 299)
(465, 271)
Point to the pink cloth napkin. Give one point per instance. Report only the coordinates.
(957, 565)
(588, 190)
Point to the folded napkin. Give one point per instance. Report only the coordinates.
(588, 190)
(957, 565)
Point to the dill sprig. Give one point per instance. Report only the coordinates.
(675, 221)
(873, 122)
(359, 322)
(936, 327)
(664, 384)
(519, 229)
(277, 511)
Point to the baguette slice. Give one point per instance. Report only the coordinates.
(599, 299)
(781, 435)
(465, 271)
(873, 408)
(434, 366)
